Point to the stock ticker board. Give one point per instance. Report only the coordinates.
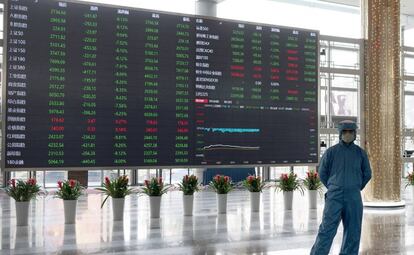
(100, 86)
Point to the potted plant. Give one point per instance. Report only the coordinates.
(188, 186)
(118, 190)
(69, 191)
(288, 183)
(410, 181)
(313, 184)
(155, 188)
(221, 185)
(22, 192)
(255, 185)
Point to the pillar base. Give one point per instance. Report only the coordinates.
(385, 205)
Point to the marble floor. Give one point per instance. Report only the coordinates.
(271, 231)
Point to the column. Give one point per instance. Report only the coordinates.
(205, 8)
(151, 90)
(56, 86)
(89, 86)
(17, 85)
(120, 107)
(182, 150)
(381, 23)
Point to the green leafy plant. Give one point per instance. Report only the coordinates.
(289, 182)
(22, 191)
(117, 188)
(409, 179)
(189, 185)
(69, 190)
(254, 183)
(221, 184)
(312, 181)
(155, 187)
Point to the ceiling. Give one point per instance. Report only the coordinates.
(407, 6)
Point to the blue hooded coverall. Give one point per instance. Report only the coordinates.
(344, 170)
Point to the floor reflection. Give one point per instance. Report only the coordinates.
(288, 222)
(270, 231)
(21, 238)
(383, 232)
(221, 224)
(69, 240)
(118, 231)
(255, 223)
(312, 219)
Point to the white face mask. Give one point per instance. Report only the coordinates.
(348, 137)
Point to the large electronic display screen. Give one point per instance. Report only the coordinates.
(93, 86)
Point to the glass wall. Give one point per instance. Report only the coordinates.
(275, 172)
(329, 19)
(2, 175)
(95, 178)
(145, 174)
(177, 174)
(178, 6)
(340, 80)
(407, 86)
(20, 175)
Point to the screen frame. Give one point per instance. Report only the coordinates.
(82, 168)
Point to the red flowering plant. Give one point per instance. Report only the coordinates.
(116, 188)
(155, 187)
(289, 182)
(409, 179)
(69, 190)
(221, 184)
(189, 184)
(254, 183)
(23, 191)
(312, 181)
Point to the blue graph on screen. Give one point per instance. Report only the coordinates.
(232, 130)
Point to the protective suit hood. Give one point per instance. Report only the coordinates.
(347, 125)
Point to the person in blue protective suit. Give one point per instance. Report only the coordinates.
(344, 170)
